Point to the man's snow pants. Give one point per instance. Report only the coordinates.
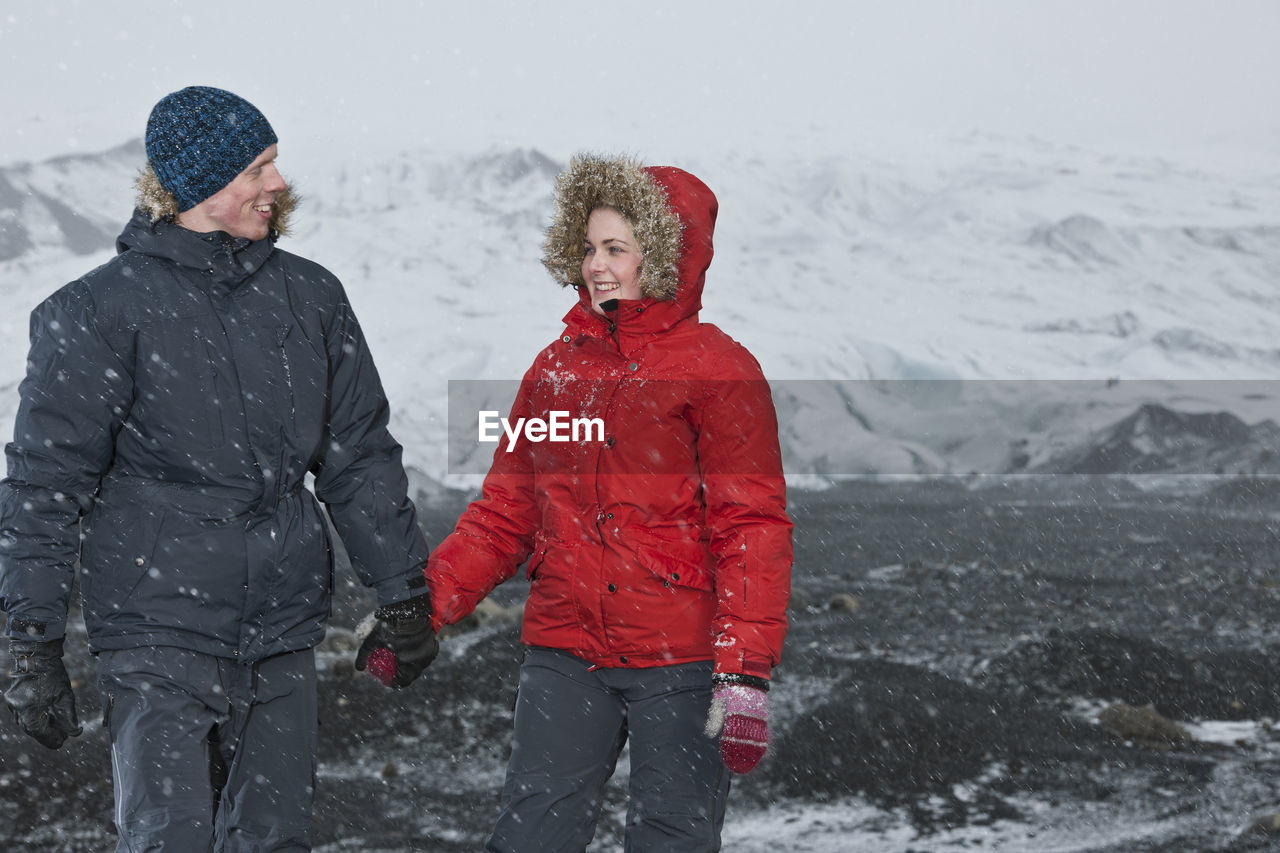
(571, 721)
(208, 754)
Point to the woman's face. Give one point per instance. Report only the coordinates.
(611, 266)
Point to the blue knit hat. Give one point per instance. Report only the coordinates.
(199, 138)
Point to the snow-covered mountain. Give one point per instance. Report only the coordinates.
(1155, 439)
(981, 305)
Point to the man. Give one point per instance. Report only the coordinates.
(175, 399)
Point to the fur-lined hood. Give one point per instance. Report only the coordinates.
(158, 203)
(671, 213)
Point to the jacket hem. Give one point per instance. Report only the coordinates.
(121, 642)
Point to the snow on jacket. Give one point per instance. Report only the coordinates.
(175, 399)
(664, 539)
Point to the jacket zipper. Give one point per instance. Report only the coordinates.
(282, 332)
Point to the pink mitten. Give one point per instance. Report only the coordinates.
(740, 716)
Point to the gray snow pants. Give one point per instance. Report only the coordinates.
(208, 754)
(571, 722)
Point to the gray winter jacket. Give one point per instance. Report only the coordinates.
(175, 399)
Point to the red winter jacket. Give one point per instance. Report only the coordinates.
(665, 539)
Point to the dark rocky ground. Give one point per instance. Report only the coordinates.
(950, 652)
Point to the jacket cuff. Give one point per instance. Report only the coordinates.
(31, 630)
(755, 681)
(448, 603)
(729, 659)
(396, 589)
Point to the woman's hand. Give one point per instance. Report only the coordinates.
(740, 716)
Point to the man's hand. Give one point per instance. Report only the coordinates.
(39, 692)
(398, 643)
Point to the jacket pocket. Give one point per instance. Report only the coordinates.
(181, 387)
(535, 560)
(297, 378)
(118, 555)
(286, 369)
(684, 563)
(219, 393)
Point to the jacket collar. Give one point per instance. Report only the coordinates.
(226, 260)
(631, 320)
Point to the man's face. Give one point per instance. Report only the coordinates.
(243, 207)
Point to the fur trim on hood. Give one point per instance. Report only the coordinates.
(158, 203)
(593, 181)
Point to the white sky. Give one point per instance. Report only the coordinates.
(658, 79)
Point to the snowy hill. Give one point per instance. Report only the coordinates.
(1155, 439)
(66, 204)
(930, 308)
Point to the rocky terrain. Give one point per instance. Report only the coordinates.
(1050, 662)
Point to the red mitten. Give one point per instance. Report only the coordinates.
(740, 716)
(382, 665)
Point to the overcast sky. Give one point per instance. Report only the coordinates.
(656, 78)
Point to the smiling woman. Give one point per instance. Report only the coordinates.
(658, 548)
(611, 265)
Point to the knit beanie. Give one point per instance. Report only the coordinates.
(200, 138)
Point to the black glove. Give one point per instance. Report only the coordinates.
(39, 693)
(398, 641)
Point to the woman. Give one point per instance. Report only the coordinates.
(659, 548)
